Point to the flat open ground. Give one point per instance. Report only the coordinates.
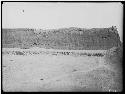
(47, 72)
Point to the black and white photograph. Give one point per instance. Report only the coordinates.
(62, 46)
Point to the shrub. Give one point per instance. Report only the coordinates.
(19, 53)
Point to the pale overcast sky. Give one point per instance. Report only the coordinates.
(58, 15)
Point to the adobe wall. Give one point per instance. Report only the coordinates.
(65, 39)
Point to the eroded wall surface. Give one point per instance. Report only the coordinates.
(66, 39)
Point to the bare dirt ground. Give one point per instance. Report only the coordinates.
(47, 72)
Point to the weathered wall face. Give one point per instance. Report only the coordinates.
(71, 38)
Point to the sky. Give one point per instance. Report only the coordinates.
(41, 15)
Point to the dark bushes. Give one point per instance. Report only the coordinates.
(98, 54)
(19, 53)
